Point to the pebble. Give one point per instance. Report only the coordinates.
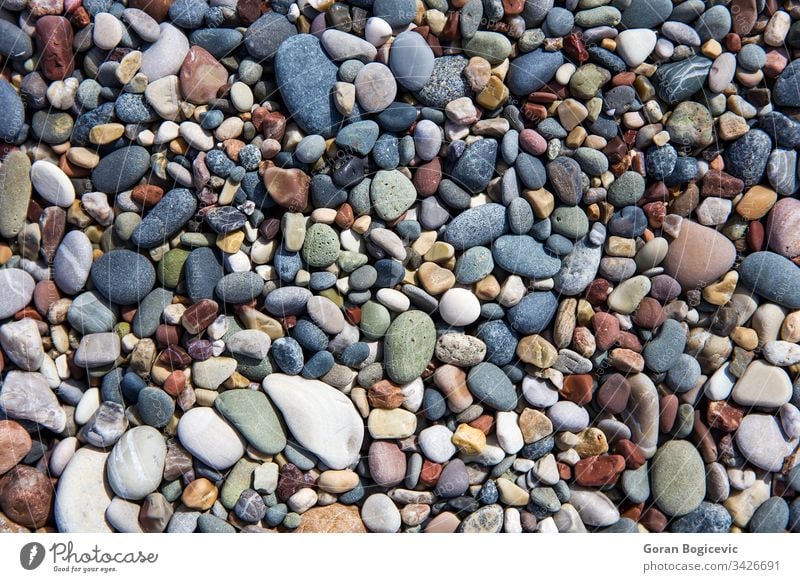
(678, 478)
(82, 495)
(136, 463)
(208, 437)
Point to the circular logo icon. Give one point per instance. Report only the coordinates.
(31, 555)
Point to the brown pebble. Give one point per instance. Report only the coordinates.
(613, 394)
(578, 388)
(15, 443)
(385, 394)
(26, 496)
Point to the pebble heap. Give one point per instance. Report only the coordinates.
(399, 265)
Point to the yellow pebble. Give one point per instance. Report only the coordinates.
(469, 440)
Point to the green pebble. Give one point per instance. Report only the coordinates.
(569, 221)
(125, 224)
(408, 346)
(170, 267)
(321, 247)
(292, 520)
(172, 490)
(375, 320)
(237, 481)
(252, 414)
(391, 194)
(349, 261)
(626, 190)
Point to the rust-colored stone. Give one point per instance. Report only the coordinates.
(385, 394)
(54, 38)
(599, 470)
(724, 416)
(199, 316)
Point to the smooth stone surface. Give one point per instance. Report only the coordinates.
(321, 418)
(253, 415)
(677, 476)
(408, 346)
(209, 438)
(136, 463)
(83, 495)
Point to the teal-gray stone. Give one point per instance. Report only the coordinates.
(678, 478)
(321, 246)
(532, 71)
(772, 516)
(375, 320)
(252, 368)
(237, 480)
(148, 316)
(533, 313)
(472, 266)
(713, 23)
(478, 226)
(636, 484)
(202, 273)
(680, 80)
(265, 35)
(569, 221)
(773, 277)
(155, 407)
(664, 351)
(15, 193)
(165, 219)
(490, 385)
(408, 346)
(707, 518)
(358, 137)
(240, 287)
(476, 166)
(522, 255)
(305, 77)
(626, 190)
(646, 14)
(121, 169)
(209, 523)
(253, 415)
(492, 46)
(786, 90)
(90, 313)
(391, 194)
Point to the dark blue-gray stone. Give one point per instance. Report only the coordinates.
(773, 277)
(306, 77)
(772, 516)
(680, 80)
(148, 316)
(559, 245)
(287, 264)
(318, 365)
(397, 117)
(664, 351)
(217, 41)
(453, 195)
(14, 45)
(288, 355)
(188, 13)
(132, 385)
(782, 129)
(123, 277)
(85, 122)
(707, 518)
(446, 82)
(624, 525)
(522, 255)
(530, 170)
(354, 354)
(500, 340)
(747, 157)
(155, 407)
(240, 287)
(646, 13)
(786, 91)
(628, 222)
(532, 71)
(537, 449)
(225, 219)
(434, 405)
(491, 386)
(264, 37)
(488, 493)
(520, 216)
(285, 301)
(203, 271)
(660, 161)
(165, 219)
(475, 264)
(396, 12)
(533, 313)
(111, 386)
(121, 169)
(559, 22)
(386, 152)
(683, 376)
(606, 59)
(309, 336)
(685, 169)
(478, 226)
(12, 112)
(476, 166)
